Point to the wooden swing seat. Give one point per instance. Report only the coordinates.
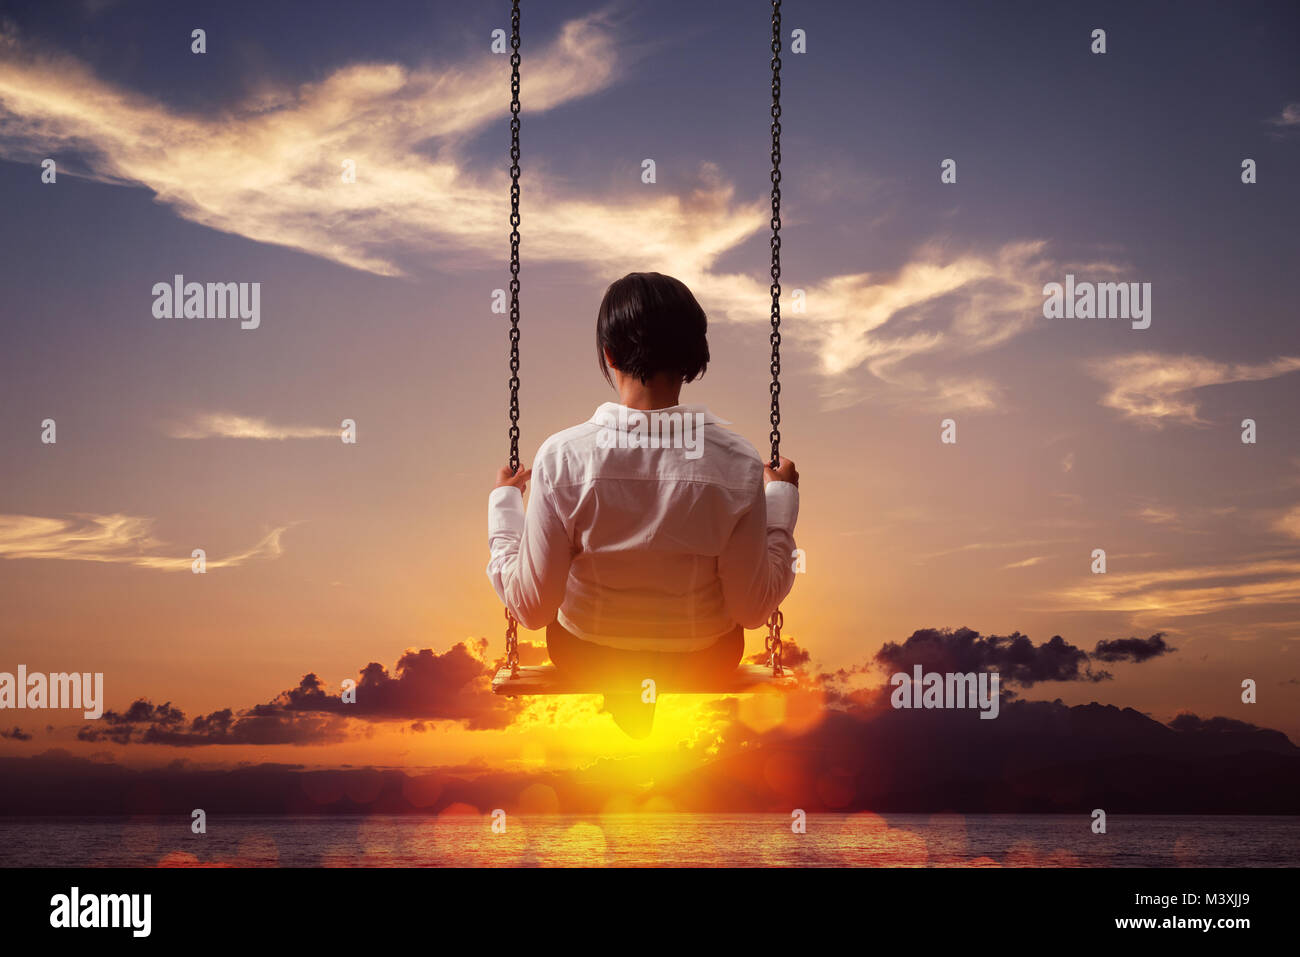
(546, 679)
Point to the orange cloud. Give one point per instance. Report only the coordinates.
(1153, 389)
(230, 426)
(1153, 597)
(121, 539)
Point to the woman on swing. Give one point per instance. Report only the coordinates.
(645, 558)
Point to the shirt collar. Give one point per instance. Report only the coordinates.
(612, 412)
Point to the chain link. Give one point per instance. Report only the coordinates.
(512, 644)
(512, 626)
(775, 337)
(772, 643)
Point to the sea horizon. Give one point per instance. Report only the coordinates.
(654, 838)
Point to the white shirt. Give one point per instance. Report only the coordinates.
(644, 548)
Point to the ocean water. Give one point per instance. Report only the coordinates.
(654, 840)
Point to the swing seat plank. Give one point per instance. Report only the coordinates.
(546, 679)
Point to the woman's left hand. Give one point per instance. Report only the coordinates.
(519, 479)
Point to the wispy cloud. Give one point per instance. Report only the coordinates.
(226, 425)
(1158, 595)
(1289, 523)
(1154, 389)
(1157, 515)
(121, 539)
(986, 546)
(1289, 118)
(269, 169)
(955, 304)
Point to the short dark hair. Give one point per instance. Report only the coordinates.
(650, 323)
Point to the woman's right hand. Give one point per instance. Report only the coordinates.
(518, 479)
(785, 473)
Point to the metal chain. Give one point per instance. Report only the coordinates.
(512, 644)
(772, 643)
(514, 237)
(512, 626)
(775, 337)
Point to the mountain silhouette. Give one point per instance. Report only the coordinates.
(1035, 757)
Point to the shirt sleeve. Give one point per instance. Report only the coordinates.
(530, 552)
(757, 565)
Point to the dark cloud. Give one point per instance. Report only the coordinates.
(143, 723)
(1132, 649)
(1017, 659)
(16, 734)
(425, 686)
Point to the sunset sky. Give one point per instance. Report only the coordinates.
(924, 302)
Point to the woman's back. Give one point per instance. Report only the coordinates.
(651, 527)
(669, 540)
(648, 524)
